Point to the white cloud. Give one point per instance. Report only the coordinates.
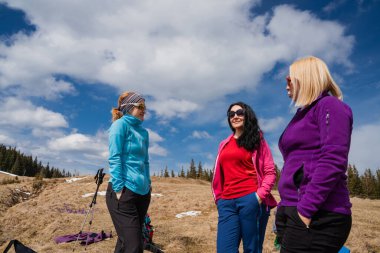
(154, 147)
(182, 55)
(153, 136)
(23, 114)
(200, 135)
(78, 142)
(271, 125)
(277, 156)
(6, 140)
(173, 108)
(364, 153)
(333, 5)
(301, 33)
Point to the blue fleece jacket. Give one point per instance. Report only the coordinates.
(128, 155)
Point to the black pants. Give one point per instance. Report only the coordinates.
(327, 231)
(128, 215)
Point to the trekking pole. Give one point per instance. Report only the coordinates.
(98, 180)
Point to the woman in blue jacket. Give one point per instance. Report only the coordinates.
(129, 188)
(314, 214)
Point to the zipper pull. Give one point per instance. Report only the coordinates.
(327, 117)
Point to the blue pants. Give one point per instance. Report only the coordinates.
(241, 219)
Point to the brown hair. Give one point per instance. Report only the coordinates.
(116, 113)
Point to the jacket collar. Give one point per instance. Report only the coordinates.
(322, 95)
(132, 120)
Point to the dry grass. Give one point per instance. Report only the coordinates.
(37, 221)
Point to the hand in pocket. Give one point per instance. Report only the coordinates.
(304, 219)
(258, 198)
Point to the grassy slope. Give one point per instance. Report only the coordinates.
(38, 221)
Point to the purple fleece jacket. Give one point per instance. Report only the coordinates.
(317, 141)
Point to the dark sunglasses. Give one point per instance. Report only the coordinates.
(239, 113)
(288, 80)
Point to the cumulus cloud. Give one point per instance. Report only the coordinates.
(153, 136)
(77, 142)
(173, 107)
(271, 125)
(277, 156)
(154, 147)
(301, 33)
(200, 135)
(362, 153)
(4, 139)
(333, 5)
(181, 55)
(21, 113)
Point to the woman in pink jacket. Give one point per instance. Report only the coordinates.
(244, 175)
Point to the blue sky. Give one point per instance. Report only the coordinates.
(64, 63)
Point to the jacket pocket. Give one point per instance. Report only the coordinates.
(298, 176)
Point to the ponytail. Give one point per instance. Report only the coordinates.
(116, 114)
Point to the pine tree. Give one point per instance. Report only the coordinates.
(182, 173)
(378, 183)
(1, 160)
(35, 166)
(173, 174)
(193, 170)
(166, 173)
(200, 171)
(369, 184)
(48, 172)
(16, 168)
(354, 181)
(206, 175)
(29, 166)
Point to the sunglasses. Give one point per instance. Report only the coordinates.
(238, 113)
(140, 106)
(288, 80)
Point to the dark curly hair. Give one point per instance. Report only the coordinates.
(252, 134)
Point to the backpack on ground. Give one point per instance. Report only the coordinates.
(19, 247)
(147, 232)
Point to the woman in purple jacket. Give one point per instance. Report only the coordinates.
(314, 214)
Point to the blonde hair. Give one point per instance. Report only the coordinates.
(310, 77)
(116, 113)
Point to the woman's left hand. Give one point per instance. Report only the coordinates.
(304, 220)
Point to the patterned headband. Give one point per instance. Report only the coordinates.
(126, 104)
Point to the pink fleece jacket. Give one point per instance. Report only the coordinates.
(266, 173)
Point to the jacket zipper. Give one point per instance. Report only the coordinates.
(328, 121)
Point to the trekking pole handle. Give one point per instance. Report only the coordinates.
(99, 176)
